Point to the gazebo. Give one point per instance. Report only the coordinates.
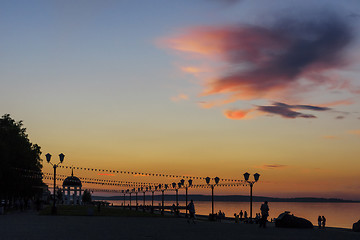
(72, 190)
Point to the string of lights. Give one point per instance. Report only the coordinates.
(103, 180)
(145, 173)
(49, 176)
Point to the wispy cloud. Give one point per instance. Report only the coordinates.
(272, 166)
(287, 111)
(180, 97)
(277, 108)
(355, 132)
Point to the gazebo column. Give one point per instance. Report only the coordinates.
(80, 196)
(75, 195)
(68, 195)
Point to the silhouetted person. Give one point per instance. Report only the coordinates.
(173, 208)
(236, 218)
(241, 214)
(319, 221)
(191, 208)
(323, 221)
(219, 216)
(257, 218)
(264, 214)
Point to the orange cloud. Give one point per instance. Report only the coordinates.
(354, 132)
(180, 97)
(211, 44)
(193, 70)
(236, 114)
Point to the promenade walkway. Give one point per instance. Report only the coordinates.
(30, 226)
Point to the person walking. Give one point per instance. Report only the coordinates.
(264, 214)
(319, 221)
(323, 221)
(191, 208)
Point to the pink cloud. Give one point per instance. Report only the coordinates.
(291, 58)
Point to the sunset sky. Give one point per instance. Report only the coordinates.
(199, 87)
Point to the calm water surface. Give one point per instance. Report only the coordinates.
(336, 214)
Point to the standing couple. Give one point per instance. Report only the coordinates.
(264, 214)
(321, 221)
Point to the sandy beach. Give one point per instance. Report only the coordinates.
(32, 226)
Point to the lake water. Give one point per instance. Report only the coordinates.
(336, 214)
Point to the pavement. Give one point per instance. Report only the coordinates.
(30, 226)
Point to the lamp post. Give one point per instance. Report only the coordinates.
(175, 186)
(162, 198)
(182, 181)
(48, 158)
(212, 191)
(251, 183)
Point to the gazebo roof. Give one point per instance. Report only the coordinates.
(72, 181)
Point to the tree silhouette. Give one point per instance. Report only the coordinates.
(20, 162)
(86, 197)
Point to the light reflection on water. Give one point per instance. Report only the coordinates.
(336, 214)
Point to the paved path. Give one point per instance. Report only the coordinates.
(31, 226)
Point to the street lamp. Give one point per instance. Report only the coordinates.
(48, 158)
(182, 181)
(162, 199)
(212, 191)
(176, 187)
(251, 183)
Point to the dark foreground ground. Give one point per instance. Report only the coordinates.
(31, 226)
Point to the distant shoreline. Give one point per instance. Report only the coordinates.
(230, 198)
